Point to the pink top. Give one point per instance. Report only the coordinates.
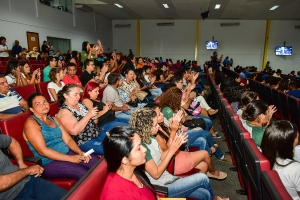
(116, 187)
(68, 79)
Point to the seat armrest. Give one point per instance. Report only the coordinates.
(161, 189)
(27, 160)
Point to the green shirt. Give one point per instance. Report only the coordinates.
(46, 73)
(168, 112)
(256, 132)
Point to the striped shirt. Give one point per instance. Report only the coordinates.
(10, 103)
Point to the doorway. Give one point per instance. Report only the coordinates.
(61, 44)
(33, 40)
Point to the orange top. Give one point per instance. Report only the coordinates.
(139, 66)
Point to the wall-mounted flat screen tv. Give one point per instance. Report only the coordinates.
(284, 51)
(211, 44)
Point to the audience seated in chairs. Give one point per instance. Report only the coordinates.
(246, 98)
(51, 62)
(170, 104)
(78, 120)
(106, 116)
(197, 186)
(185, 161)
(162, 74)
(48, 140)
(23, 182)
(33, 78)
(13, 74)
(34, 53)
(110, 94)
(56, 76)
(279, 140)
(124, 152)
(11, 103)
(89, 74)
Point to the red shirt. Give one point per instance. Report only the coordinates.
(116, 187)
(75, 79)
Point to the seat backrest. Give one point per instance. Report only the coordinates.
(53, 109)
(79, 71)
(2, 69)
(33, 62)
(43, 62)
(270, 100)
(255, 163)
(272, 187)
(91, 184)
(31, 58)
(25, 91)
(42, 88)
(4, 63)
(14, 127)
(284, 105)
(294, 106)
(35, 66)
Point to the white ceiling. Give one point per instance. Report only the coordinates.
(191, 9)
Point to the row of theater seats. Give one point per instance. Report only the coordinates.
(288, 107)
(254, 173)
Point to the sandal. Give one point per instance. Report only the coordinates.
(215, 146)
(222, 175)
(219, 198)
(212, 111)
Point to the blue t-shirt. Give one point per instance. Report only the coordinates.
(10, 103)
(247, 74)
(242, 75)
(294, 93)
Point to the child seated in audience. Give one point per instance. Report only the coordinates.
(246, 98)
(48, 140)
(56, 76)
(124, 153)
(278, 143)
(257, 115)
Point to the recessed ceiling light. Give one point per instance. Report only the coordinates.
(165, 5)
(217, 6)
(118, 5)
(274, 7)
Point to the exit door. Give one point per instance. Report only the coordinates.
(61, 44)
(33, 40)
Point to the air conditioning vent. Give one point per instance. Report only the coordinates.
(122, 25)
(83, 8)
(297, 26)
(165, 24)
(229, 24)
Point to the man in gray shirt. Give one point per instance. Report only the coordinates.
(110, 94)
(23, 182)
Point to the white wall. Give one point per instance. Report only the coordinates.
(19, 16)
(243, 43)
(284, 31)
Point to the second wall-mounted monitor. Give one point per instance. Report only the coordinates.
(211, 44)
(283, 51)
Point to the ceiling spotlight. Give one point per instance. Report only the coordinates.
(217, 6)
(274, 7)
(165, 5)
(118, 5)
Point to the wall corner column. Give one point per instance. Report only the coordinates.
(138, 37)
(197, 39)
(266, 45)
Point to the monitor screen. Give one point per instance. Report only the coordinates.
(283, 51)
(211, 44)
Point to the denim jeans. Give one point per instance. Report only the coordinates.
(112, 124)
(123, 117)
(195, 186)
(156, 92)
(198, 132)
(95, 144)
(207, 120)
(197, 138)
(37, 188)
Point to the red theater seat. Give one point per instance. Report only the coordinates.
(272, 187)
(2, 69)
(53, 109)
(14, 128)
(33, 62)
(43, 62)
(31, 58)
(25, 91)
(42, 88)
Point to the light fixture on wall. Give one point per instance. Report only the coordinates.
(165, 5)
(118, 5)
(274, 7)
(165, 24)
(230, 24)
(297, 26)
(83, 8)
(122, 25)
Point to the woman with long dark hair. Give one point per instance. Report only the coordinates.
(33, 78)
(278, 143)
(74, 58)
(124, 152)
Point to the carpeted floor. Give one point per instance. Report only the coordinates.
(226, 188)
